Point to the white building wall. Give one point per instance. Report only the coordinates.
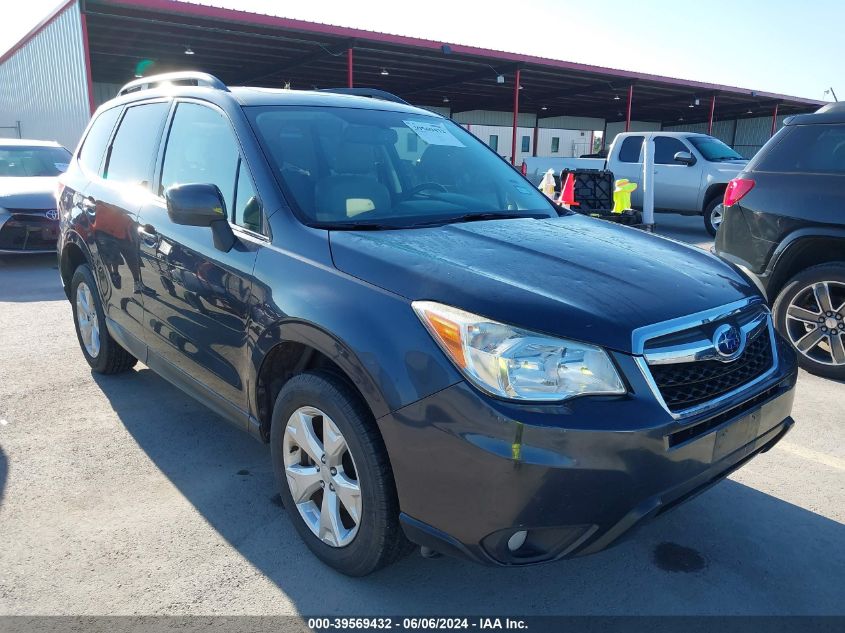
(494, 117)
(505, 134)
(571, 143)
(617, 127)
(572, 123)
(44, 84)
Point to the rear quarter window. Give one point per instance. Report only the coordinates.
(94, 147)
(818, 149)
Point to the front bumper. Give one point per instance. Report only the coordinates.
(471, 471)
(30, 233)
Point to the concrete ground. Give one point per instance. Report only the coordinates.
(121, 495)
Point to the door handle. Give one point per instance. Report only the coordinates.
(88, 205)
(148, 234)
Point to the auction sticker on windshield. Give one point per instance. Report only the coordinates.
(434, 133)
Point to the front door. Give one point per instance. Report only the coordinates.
(675, 184)
(197, 297)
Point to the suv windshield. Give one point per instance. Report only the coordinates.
(33, 161)
(359, 168)
(713, 149)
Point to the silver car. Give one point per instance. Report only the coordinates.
(29, 222)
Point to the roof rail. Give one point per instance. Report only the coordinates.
(373, 93)
(189, 78)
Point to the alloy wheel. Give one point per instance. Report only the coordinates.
(815, 322)
(86, 318)
(322, 477)
(716, 215)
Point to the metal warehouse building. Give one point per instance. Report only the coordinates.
(79, 56)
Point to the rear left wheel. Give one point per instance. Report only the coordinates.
(810, 313)
(333, 475)
(713, 215)
(103, 353)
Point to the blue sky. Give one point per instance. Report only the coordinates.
(786, 47)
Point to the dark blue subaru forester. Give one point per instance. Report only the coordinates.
(435, 353)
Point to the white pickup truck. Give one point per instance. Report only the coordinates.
(691, 170)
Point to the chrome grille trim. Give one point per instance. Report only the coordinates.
(758, 325)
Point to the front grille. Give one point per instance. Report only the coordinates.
(28, 233)
(685, 385)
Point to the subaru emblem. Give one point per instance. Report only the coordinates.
(51, 214)
(728, 341)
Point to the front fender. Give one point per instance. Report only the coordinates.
(374, 336)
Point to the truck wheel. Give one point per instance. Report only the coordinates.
(810, 313)
(334, 476)
(103, 353)
(713, 215)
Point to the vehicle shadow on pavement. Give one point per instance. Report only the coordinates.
(22, 278)
(751, 553)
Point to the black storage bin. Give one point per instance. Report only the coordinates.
(593, 189)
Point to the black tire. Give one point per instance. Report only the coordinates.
(379, 540)
(111, 357)
(709, 208)
(832, 272)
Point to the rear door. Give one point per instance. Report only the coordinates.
(112, 200)
(628, 164)
(197, 306)
(676, 185)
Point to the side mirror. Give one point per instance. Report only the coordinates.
(685, 158)
(201, 205)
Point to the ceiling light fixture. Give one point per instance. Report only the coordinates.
(384, 72)
(445, 99)
(544, 107)
(616, 97)
(189, 50)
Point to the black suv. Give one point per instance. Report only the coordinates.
(433, 352)
(784, 224)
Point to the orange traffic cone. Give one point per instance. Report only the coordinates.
(567, 195)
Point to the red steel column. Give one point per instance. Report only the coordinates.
(628, 115)
(536, 132)
(515, 116)
(87, 53)
(349, 67)
(774, 120)
(712, 110)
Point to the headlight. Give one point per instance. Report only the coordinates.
(517, 364)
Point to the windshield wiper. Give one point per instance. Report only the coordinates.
(480, 217)
(358, 226)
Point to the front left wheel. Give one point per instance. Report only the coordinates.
(334, 476)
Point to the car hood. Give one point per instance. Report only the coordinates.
(28, 193)
(574, 276)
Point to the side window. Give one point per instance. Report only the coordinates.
(630, 150)
(555, 144)
(665, 148)
(201, 149)
(132, 151)
(247, 207)
(94, 146)
(494, 142)
(526, 144)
